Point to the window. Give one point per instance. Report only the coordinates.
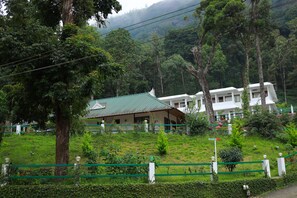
(182, 104)
(176, 105)
(228, 98)
(117, 121)
(213, 100)
(221, 99)
(237, 98)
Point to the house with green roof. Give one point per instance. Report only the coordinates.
(133, 109)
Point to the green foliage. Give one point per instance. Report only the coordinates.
(232, 154)
(291, 131)
(198, 123)
(236, 138)
(189, 189)
(111, 156)
(162, 143)
(89, 151)
(263, 123)
(245, 103)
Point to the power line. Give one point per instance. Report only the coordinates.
(49, 66)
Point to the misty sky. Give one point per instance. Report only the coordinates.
(128, 5)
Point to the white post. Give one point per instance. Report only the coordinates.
(229, 115)
(281, 165)
(292, 109)
(229, 129)
(213, 167)
(266, 166)
(146, 126)
(18, 129)
(102, 126)
(215, 145)
(151, 173)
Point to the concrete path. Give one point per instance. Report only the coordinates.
(288, 192)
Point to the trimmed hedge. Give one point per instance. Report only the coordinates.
(193, 189)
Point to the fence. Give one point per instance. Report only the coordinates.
(151, 171)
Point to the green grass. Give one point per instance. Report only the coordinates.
(40, 149)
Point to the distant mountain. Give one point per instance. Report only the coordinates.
(159, 17)
(174, 14)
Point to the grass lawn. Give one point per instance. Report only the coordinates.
(40, 149)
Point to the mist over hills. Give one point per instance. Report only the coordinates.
(174, 14)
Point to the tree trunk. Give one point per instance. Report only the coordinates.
(62, 140)
(160, 74)
(200, 75)
(260, 71)
(246, 82)
(67, 11)
(258, 51)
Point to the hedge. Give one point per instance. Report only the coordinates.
(192, 189)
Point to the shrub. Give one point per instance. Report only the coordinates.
(89, 152)
(236, 138)
(291, 132)
(232, 154)
(263, 123)
(162, 143)
(198, 123)
(111, 156)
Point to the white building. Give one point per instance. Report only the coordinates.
(226, 101)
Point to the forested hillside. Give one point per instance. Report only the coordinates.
(169, 43)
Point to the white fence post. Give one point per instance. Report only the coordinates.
(5, 171)
(266, 166)
(213, 168)
(281, 165)
(146, 126)
(229, 129)
(151, 171)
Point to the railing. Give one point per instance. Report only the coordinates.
(291, 159)
(186, 172)
(241, 171)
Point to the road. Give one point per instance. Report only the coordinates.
(288, 192)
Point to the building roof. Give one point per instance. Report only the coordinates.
(222, 90)
(177, 97)
(129, 104)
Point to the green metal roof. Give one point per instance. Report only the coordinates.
(128, 104)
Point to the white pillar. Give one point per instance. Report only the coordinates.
(102, 126)
(292, 109)
(213, 167)
(151, 173)
(281, 165)
(229, 129)
(229, 115)
(146, 126)
(233, 98)
(266, 166)
(18, 129)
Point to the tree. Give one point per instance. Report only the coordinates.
(232, 154)
(76, 65)
(158, 53)
(3, 113)
(126, 52)
(216, 18)
(260, 25)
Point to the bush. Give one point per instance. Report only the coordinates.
(236, 138)
(111, 156)
(89, 152)
(162, 143)
(232, 154)
(198, 123)
(263, 123)
(291, 132)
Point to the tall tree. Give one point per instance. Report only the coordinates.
(76, 64)
(216, 18)
(158, 53)
(260, 15)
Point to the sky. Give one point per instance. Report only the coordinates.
(128, 5)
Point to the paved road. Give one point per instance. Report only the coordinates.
(288, 192)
